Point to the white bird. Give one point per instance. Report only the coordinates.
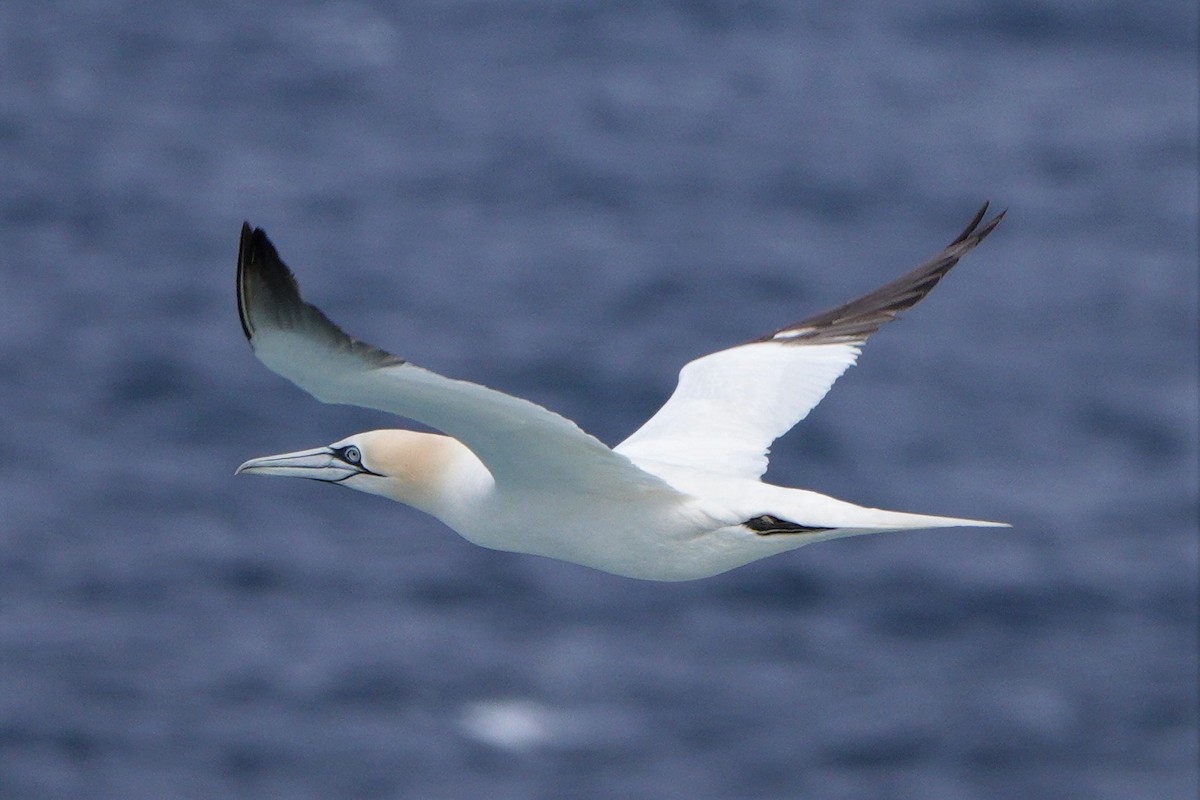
(682, 498)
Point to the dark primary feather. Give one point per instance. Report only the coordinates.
(269, 297)
(853, 322)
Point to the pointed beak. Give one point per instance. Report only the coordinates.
(319, 464)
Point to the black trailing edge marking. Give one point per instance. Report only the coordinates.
(853, 322)
(767, 525)
(269, 297)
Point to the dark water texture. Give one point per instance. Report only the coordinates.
(568, 200)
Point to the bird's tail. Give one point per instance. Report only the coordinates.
(900, 521)
(847, 519)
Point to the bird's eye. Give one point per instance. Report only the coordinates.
(352, 455)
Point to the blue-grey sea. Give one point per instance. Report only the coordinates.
(567, 200)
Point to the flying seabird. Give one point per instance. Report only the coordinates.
(682, 498)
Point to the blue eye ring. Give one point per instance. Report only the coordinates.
(351, 455)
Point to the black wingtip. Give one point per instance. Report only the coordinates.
(853, 322)
(972, 225)
(269, 298)
(975, 234)
(991, 225)
(260, 270)
(243, 257)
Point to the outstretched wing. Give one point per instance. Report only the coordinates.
(729, 406)
(521, 443)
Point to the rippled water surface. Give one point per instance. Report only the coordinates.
(567, 201)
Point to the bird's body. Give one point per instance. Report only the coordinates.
(681, 498)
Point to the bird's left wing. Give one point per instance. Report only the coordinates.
(520, 442)
(729, 406)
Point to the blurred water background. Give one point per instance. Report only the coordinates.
(567, 201)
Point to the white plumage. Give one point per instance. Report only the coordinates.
(681, 498)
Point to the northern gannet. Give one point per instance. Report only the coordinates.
(682, 498)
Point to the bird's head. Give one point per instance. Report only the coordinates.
(408, 466)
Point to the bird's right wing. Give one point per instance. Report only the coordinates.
(729, 406)
(520, 442)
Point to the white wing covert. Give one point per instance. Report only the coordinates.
(729, 406)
